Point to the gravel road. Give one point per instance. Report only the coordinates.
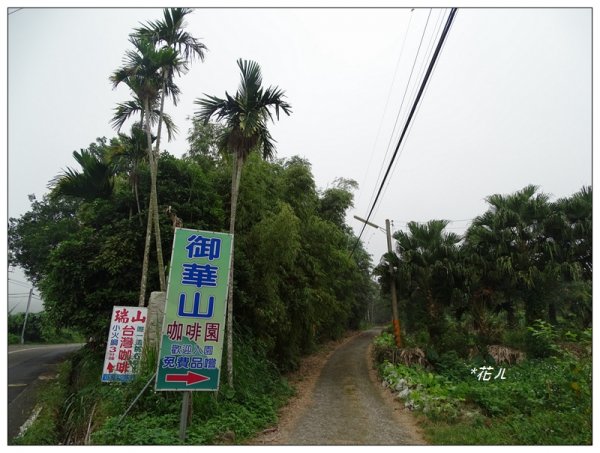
(348, 406)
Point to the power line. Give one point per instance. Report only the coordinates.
(430, 47)
(14, 11)
(410, 116)
(17, 282)
(389, 95)
(387, 149)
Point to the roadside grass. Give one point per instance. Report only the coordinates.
(542, 428)
(45, 429)
(544, 401)
(78, 409)
(224, 417)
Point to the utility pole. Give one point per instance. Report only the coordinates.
(395, 320)
(26, 315)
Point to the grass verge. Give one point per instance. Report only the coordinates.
(81, 410)
(546, 401)
(45, 428)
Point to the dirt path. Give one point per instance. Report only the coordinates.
(344, 404)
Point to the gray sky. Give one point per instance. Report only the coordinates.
(509, 102)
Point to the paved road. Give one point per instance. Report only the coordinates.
(26, 364)
(348, 407)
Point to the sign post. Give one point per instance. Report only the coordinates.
(194, 322)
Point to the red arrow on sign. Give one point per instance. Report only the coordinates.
(189, 378)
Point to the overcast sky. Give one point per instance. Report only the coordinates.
(508, 104)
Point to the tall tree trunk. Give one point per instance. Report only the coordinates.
(151, 215)
(236, 175)
(137, 198)
(143, 283)
(159, 254)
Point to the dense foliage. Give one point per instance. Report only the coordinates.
(295, 283)
(78, 409)
(543, 401)
(525, 259)
(497, 323)
(39, 329)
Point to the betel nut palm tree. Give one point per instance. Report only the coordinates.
(246, 116)
(169, 33)
(142, 73)
(167, 39)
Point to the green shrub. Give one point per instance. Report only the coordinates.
(541, 339)
(544, 401)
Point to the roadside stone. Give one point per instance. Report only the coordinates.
(404, 393)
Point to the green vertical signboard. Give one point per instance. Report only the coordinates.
(194, 324)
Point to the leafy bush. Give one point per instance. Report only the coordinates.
(540, 401)
(39, 329)
(154, 420)
(541, 341)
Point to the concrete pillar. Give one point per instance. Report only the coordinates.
(156, 313)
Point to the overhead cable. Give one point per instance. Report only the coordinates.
(410, 116)
(387, 149)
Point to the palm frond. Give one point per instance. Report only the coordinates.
(170, 31)
(95, 180)
(169, 124)
(123, 112)
(247, 113)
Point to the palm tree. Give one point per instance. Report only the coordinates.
(95, 180)
(127, 154)
(170, 32)
(159, 66)
(510, 236)
(428, 267)
(142, 73)
(246, 116)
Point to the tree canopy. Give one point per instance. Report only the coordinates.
(526, 259)
(295, 283)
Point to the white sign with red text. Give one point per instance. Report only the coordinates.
(125, 343)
